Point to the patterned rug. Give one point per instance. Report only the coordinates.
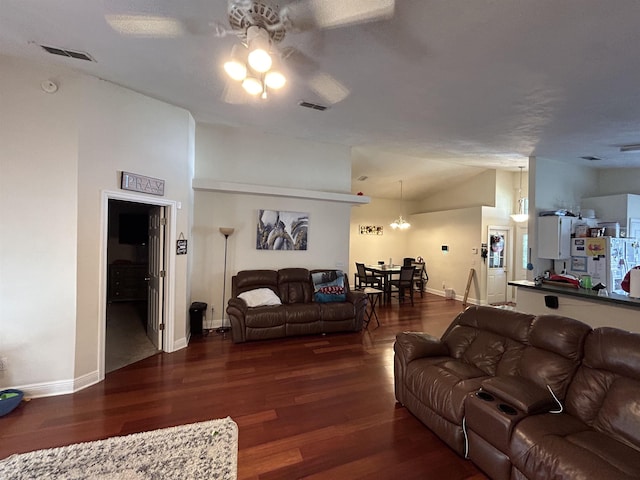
(196, 451)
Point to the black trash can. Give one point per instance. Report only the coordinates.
(197, 311)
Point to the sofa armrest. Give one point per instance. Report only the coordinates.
(237, 310)
(359, 301)
(520, 393)
(408, 347)
(412, 345)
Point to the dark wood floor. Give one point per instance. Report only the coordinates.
(308, 407)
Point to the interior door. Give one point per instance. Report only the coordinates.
(156, 278)
(497, 265)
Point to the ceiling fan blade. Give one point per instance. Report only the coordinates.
(309, 14)
(327, 87)
(141, 25)
(322, 84)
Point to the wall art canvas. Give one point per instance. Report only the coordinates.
(279, 230)
(371, 229)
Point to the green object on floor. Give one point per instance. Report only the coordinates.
(6, 396)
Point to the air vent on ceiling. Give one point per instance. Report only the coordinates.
(313, 106)
(68, 53)
(362, 178)
(591, 158)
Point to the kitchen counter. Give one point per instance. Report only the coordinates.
(620, 311)
(591, 295)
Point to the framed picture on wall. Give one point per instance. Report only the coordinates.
(371, 229)
(279, 230)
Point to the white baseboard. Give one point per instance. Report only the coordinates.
(179, 344)
(62, 387)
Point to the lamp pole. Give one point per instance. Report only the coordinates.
(226, 231)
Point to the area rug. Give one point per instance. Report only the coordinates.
(206, 450)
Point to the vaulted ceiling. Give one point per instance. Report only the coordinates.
(435, 94)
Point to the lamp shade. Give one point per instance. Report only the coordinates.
(259, 43)
(252, 85)
(226, 231)
(274, 79)
(236, 66)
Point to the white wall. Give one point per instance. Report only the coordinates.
(38, 212)
(59, 151)
(478, 190)
(121, 130)
(245, 155)
(617, 180)
(392, 244)
(460, 230)
(250, 157)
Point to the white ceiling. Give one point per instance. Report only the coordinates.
(443, 90)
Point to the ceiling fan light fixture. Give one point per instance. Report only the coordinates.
(522, 215)
(252, 85)
(236, 66)
(400, 223)
(259, 46)
(274, 79)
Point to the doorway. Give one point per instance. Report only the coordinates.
(498, 265)
(135, 282)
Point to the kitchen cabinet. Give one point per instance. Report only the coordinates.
(621, 208)
(554, 237)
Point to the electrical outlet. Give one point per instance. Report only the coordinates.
(443, 286)
(3, 364)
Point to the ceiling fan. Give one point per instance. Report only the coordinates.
(260, 26)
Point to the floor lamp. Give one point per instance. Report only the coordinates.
(226, 231)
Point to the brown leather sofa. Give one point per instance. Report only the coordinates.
(527, 397)
(298, 314)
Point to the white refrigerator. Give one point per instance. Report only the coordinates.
(606, 259)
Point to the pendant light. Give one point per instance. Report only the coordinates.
(522, 215)
(400, 222)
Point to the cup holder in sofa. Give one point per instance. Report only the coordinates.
(508, 409)
(487, 397)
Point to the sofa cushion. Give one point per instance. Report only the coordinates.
(246, 280)
(561, 447)
(264, 317)
(260, 297)
(605, 392)
(328, 286)
(294, 285)
(443, 383)
(302, 313)
(556, 346)
(331, 311)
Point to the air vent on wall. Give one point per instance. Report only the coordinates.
(362, 178)
(313, 106)
(68, 53)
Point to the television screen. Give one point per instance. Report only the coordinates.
(133, 228)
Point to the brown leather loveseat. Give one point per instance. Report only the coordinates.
(299, 309)
(527, 397)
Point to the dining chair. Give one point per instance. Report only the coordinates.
(420, 277)
(404, 282)
(366, 278)
(408, 261)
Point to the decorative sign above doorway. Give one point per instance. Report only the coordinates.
(140, 183)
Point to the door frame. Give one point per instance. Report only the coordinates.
(168, 309)
(508, 259)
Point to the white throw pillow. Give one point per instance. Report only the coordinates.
(260, 297)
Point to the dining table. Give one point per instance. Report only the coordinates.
(387, 272)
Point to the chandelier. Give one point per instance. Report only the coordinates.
(522, 215)
(254, 65)
(400, 222)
